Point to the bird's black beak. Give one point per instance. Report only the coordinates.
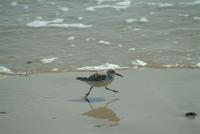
(119, 75)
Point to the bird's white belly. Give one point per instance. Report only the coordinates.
(99, 83)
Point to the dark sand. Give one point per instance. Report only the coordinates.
(150, 101)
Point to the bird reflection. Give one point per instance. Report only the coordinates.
(103, 113)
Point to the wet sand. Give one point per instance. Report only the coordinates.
(150, 101)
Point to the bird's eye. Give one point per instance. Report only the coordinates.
(112, 71)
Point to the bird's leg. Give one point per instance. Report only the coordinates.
(86, 95)
(111, 89)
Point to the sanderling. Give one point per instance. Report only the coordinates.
(100, 80)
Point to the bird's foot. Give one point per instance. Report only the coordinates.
(86, 95)
(115, 91)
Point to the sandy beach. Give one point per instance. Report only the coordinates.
(150, 101)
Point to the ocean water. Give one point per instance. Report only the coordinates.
(69, 35)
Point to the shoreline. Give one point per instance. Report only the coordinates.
(150, 101)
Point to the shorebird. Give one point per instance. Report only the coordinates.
(100, 80)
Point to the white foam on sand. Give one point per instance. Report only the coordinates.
(58, 22)
(117, 6)
(139, 63)
(5, 70)
(48, 60)
(101, 67)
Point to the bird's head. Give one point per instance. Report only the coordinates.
(113, 72)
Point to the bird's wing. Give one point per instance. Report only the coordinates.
(97, 77)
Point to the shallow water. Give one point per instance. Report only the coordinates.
(45, 36)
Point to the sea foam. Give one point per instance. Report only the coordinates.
(42, 23)
(141, 20)
(72, 25)
(14, 3)
(161, 4)
(139, 63)
(124, 3)
(198, 64)
(5, 70)
(71, 38)
(104, 42)
(48, 60)
(130, 20)
(101, 67)
(56, 23)
(117, 6)
(101, 1)
(131, 49)
(191, 3)
(64, 9)
(196, 18)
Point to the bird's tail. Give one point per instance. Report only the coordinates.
(82, 78)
